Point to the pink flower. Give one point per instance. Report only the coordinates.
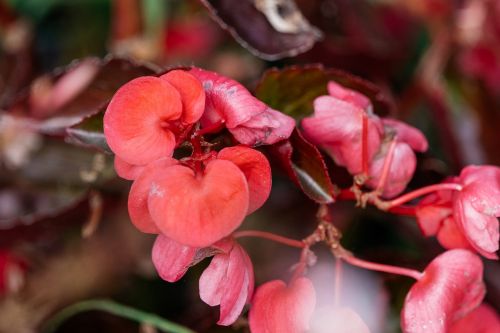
(249, 120)
(278, 308)
(336, 126)
(466, 218)
(484, 319)
(403, 164)
(228, 281)
(172, 259)
(147, 114)
(450, 287)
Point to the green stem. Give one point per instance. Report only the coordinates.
(116, 309)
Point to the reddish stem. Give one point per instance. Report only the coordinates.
(269, 236)
(387, 167)
(403, 210)
(364, 144)
(422, 191)
(215, 127)
(383, 268)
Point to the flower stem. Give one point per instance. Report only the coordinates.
(422, 191)
(386, 167)
(270, 236)
(364, 144)
(382, 268)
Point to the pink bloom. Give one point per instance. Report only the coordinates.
(403, 162)
(228, 281)
(450, 287)
(466, 218)
(277, 307)
(484, 319)
(172, 259)
(336, 126)
(256, 169)
(147, 114)
(249, 120)
(126, 170)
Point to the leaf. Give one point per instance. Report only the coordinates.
(32, 214)
(305, 166)
(89, 133)
(53, 118)
(270, 29)
(292, 90)
(118, 310)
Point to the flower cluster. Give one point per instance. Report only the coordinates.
(381, 151)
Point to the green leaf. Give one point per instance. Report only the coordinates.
(116, 309)
(292, 90)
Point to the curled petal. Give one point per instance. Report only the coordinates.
(348, 95)
(198, 209)
(277, 307)
(267, 127)
(484, 319)
(172, 259)
(228, 281)
(407, 134)
(451, 237)
(138, 196)
(227, 100)
(450, 287)
(191, 92)
(135, 122)
(480, 229)
(256, 169)
(483, 188)
(400, 172)
(126, 170)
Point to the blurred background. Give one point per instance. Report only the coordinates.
(65, 235)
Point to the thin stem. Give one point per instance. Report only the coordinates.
(403, 210)
(383, 268)
(270, 236)
(338, 281)
(116, 309)
(422, 191)
(386, 167)
(364, 144)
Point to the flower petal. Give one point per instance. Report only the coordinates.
(126, 170)
(172, 259)
(407, 134)
(484, 319)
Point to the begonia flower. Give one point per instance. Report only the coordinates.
(407, 140)
(146, 114)
(278, 308)
(465, 218)
(256, 169)
(172, 259)
(336, 126)
(249, 120)
(483, 319)
(228, 281)
(450, 287)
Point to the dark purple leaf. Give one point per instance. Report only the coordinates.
(270, 29)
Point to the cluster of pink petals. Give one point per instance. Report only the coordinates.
(450, 287)
(337, 127)
(465, 218)
(228, 281)
(250, 121)
(278, 307)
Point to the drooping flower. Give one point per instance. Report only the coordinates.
(147, 114)
(407, 140)
(249, 120)
(465, 218)
(228, 281)
(450, 287)
(483, 319)
(277, 307)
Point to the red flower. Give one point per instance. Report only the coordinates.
(249, 120)
(147, 114)
(172, 259)
(466, 218)
(278, 308)
(484, 319)
(450, 287)
(228, 281)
